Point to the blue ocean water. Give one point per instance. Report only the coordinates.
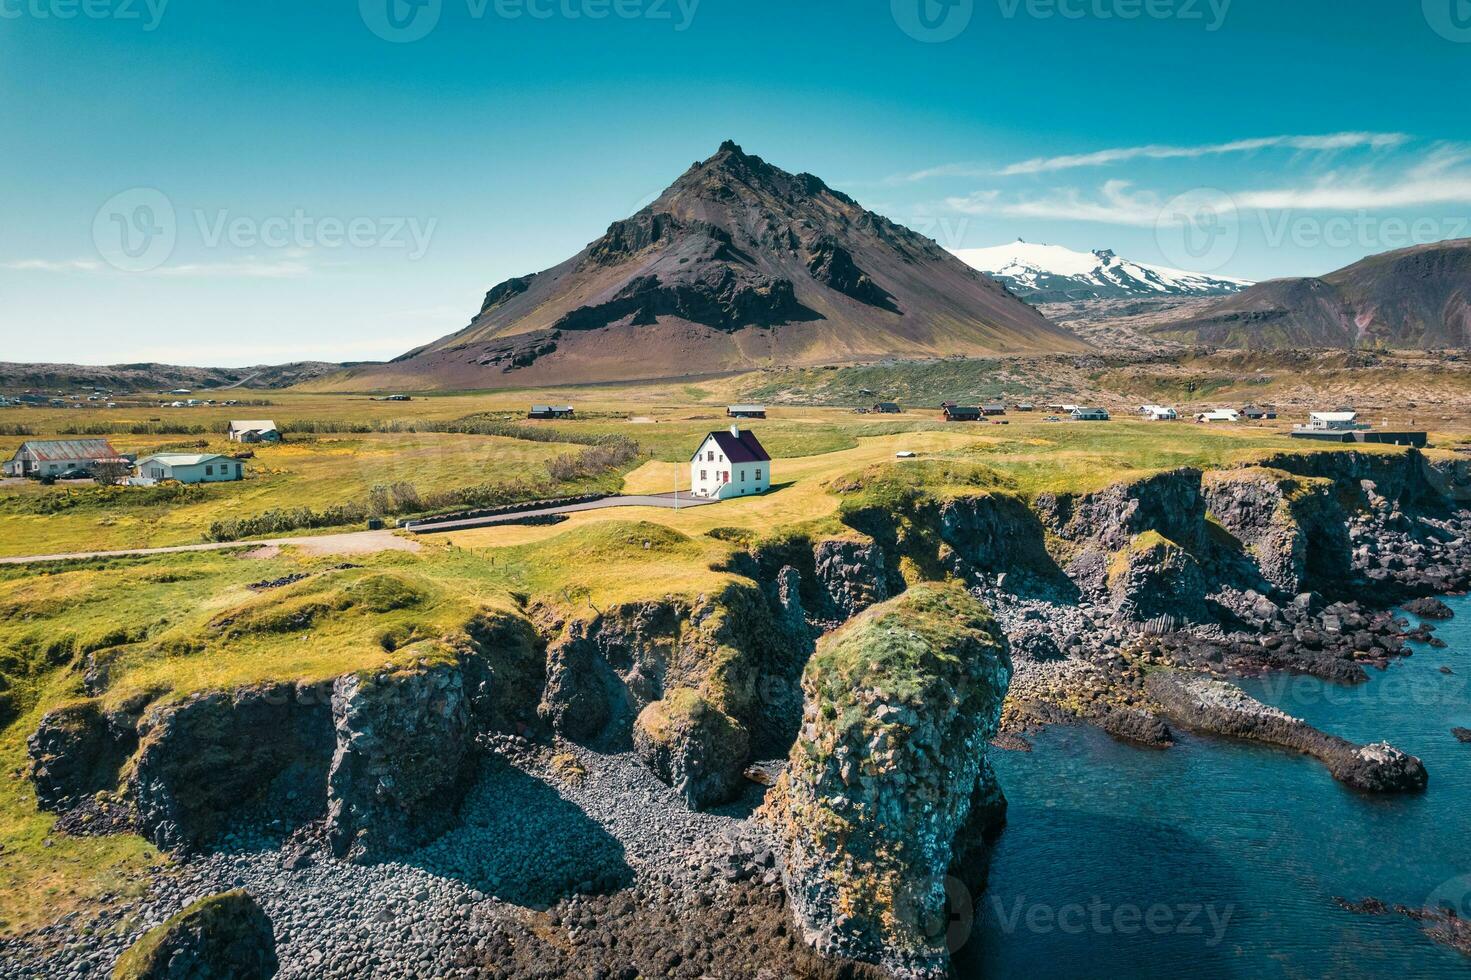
(1222, 859)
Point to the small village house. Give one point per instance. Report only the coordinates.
(551, 412)
(746, 411)
(1219, 415)
(63, 459)
(1025, 407)
(961, 413)
(189, 468)
(1158, 413)
(887, 408)
(1082, 414)
(730, 464)
(993, 408)
(259, 430)
(1258, 413)
(1341, 421)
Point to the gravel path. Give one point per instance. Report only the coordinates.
(351, 543)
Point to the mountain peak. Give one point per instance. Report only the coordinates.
(1054, 273)
(737, 265)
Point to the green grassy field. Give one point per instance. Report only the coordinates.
(186, 622)
(313, 471)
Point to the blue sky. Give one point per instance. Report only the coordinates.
(228, 183)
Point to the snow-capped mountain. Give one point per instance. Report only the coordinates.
(1054, 274)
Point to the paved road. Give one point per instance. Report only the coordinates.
(667, 500)
(368, 542)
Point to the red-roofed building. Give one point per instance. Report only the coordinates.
(61, 458)
(730, 464)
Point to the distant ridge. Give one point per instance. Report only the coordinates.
(738, 265)
(1417, 297)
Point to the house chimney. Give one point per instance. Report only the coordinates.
(735, 430)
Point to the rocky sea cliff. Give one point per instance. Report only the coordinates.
(589, 792)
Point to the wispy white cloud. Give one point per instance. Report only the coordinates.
(49, 265)
(1114, 204)
(1442, 179)
(248, 268)
(1324, 143)
(1327, 143)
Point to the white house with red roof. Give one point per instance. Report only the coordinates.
(730, 464)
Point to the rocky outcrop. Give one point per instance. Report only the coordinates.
(998, 534)
(77, 751)
(1443, 924)
(398, 768)
(728, 660)
(853, 576)
(222, 936)
(1153, 576)
(379, 755)
(1170, 503)
(1293, 528)
(888, 788)
(1213, 706)
(1428, 607)
(212, 758)
(693, 746)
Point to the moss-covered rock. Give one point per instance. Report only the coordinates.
(693, 746)
(221, 936)
(77, 751)
(888, 790)
(1153, 576)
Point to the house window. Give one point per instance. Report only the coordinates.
(703, 476)
(710, 456)
(209, 471)
(743, 476)
(758, 476)
(239, 470)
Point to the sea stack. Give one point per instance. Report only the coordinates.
(889, 796)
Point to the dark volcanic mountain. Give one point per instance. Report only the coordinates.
(1415, 297)
(737, 265)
